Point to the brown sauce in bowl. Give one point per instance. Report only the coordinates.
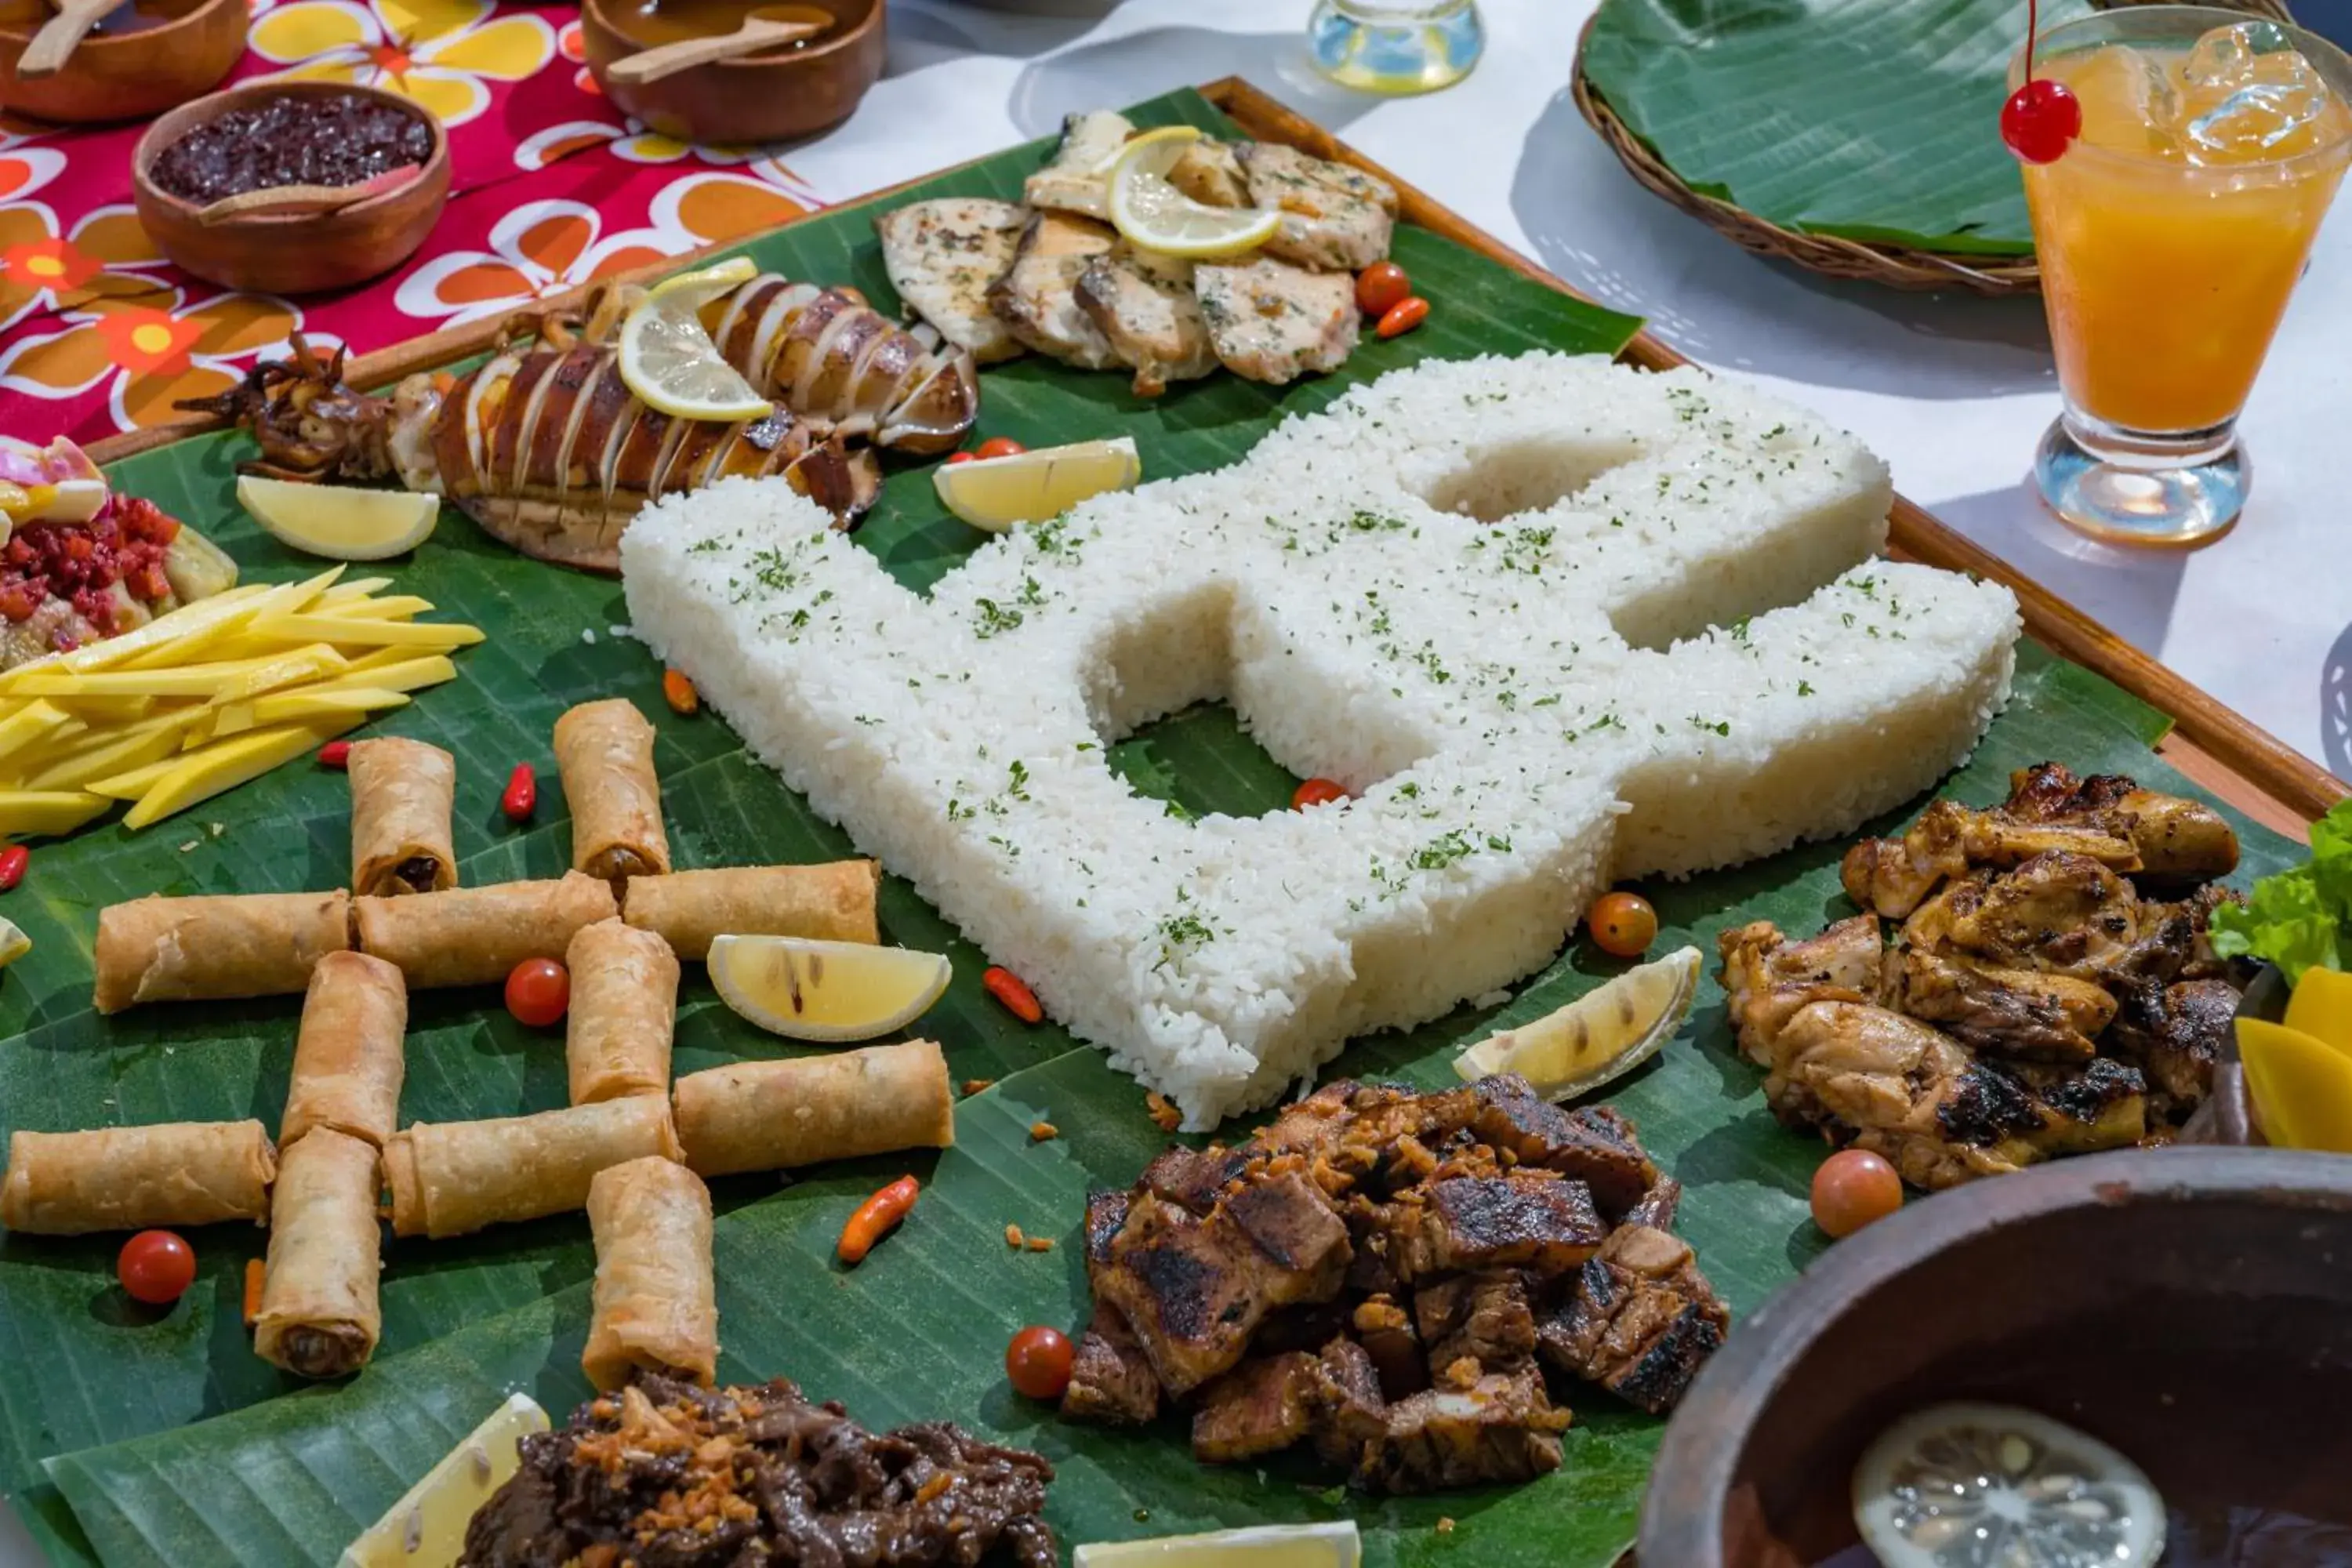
(649, 24)
(300, 139)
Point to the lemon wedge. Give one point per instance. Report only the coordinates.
(14, 943)
(1602, 1035)
(668, 357)
(824, 991)
(338, 523)
(994, 493)
(2322, 1007)
(1150, 212)
(427, 1529)
(1333, 1544)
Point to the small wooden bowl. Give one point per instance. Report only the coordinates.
(297, 253)
(767, 98)
(127, 75)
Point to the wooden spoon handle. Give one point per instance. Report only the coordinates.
(290, 199)
(652, 64)
(60, 36)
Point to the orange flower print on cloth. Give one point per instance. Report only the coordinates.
(716, 206)
(540, 249)
(441, 53)
(146, 352)
(107, 256)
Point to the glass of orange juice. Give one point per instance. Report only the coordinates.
(2170, 232)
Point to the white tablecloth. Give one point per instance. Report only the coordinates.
(1954, 391)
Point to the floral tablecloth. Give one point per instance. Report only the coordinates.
(551, 187)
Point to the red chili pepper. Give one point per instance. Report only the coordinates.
(335, 755)
(1402, 317)
(522, 796)
(1316, 791)
(12, 861)
(877, 1218)
(679, 691)
(1008, 988)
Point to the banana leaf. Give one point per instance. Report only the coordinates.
(128, 1438)
(1867, 119)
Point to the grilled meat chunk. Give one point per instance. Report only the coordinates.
(1073, 182)
(2103, 1105)
(1335, 218)
(1657, 1206)
(1485, 1317)
(1767, 978)
(1386, 1332)
(1145, 307)
(1262, 1406)
(1593, 1144)
(1037, 298)
(1640, 1320)
(1501, 1427)
(1274, 322)
(942, 256)
(2060, 913)
(2175, 1034)
(2015, 1014)
(1211, 173)
(1111, 1379)
(1193, 1177)
(2176, 839)
(1530, 1219)
(1106, 1214)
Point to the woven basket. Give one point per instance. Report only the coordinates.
(1895, 266)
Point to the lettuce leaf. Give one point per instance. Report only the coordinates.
(2302, 919)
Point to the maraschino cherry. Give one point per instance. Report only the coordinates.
(2041, 117)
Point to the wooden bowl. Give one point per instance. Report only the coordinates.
(2188, 1306)
(766, 97)
(303, 253)
(128, 76)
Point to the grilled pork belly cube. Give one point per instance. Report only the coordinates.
(1111, 1379)
(1531, 1219)
(1640, 1320)
(1501, 1427)
(1485, 1317)
(1262, 1406)
(1386, 1332)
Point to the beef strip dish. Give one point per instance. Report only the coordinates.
(1386, 1277)
(2050, 989)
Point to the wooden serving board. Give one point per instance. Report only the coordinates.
(2209, 742)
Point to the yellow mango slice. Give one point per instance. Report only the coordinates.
(346, 632)
(47, 811)
(200, 775)
(114, 752)
(2301, 1088)
(311, 662)
(302, 706)
(37, 722)
(357, 588)
(190, 680)
(2322, 1007)
(198, 642)
(406, 672)
(390, 607)
(170, 627)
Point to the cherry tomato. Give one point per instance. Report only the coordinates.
(1853, 1187)
(1401, 316)
(538, 991)
(1380, 286)
(999, 447)
(1316, 791)
(156, 1266)
(955, 457)
(1623, 925)
(1037, 1361)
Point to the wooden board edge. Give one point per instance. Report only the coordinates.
(2239, 761)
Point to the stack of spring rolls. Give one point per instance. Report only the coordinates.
(630, 1148)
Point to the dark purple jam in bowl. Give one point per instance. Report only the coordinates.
(300, 139)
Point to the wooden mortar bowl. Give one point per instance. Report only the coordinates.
(2107, 1291)
(766, 97)
(128, 76)
(289, 253)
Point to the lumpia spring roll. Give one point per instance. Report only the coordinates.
(617, 1032)
(403, 794)
(318, 1315)
(655, 1304)
(474, 936)
(828, 903)
(451, 1178)
(773, 1115)
(180, 950)
(350, 1056)
(605, 753)
(129, 1178)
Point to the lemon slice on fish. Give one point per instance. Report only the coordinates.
(995, 493)
(668, 360)
(427, 1529)
(338, 523)
(1332, 1544)
(826, 991)
(1153, 214)
(1602, 1035)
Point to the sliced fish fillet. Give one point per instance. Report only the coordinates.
(1073, 182)
(1037, 298)
(1211, 173)
(942, 256)
(1333, 218)
(1273, 323)
(1144, 304)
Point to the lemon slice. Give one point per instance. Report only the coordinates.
(427, 1529)
(824, 991)
(1600, 1036)
(1333, 1544)
(339, 524)
(14, 943)
(1153, 214)
(1957, 1484)
(668, 357)
(994, 493)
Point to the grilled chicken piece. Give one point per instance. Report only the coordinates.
(1530, 1219)
(1766, 977)
(1037, 298)
(1211, 173)
(1894, 876)
(1501, 1427)
(1485, 1317)
(2175, 1034)
(1111, 1377)
(1262, 1406)
(1194, 1290)
(1145, 306)
(2058, 912)
(1386, 1335)
(1640, 1320)
(942, 256)
(2102, 1106)
(1335, 218)
(2015, 1014)
(1274, 322)
(1073, 182)
(2176, 840)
